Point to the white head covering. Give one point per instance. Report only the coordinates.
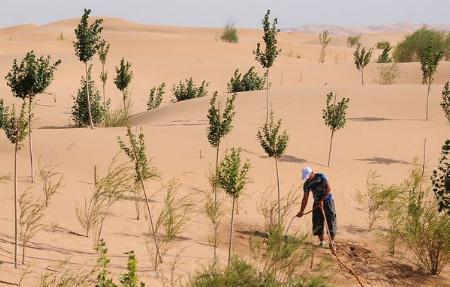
(306, 172)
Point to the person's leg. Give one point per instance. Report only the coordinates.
(330, 213)
(318, 224)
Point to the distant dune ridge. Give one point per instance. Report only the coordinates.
(346, 31)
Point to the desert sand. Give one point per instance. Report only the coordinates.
(385, 132)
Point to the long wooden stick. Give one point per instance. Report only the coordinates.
(333, 251)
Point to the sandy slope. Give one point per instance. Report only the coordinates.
(385, 132)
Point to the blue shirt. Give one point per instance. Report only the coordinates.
(318, 186)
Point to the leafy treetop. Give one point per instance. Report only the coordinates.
(88, 37)
(267, 57)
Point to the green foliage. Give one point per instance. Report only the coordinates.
(88, 37)
(334, 114)
(383, 45)
(32, 76)
(220, 124)
(413, 46)
(130, 279)
(155, 97)
(441, 179)
(232, 173)
(324, 39)
(123, 75)
(80, 113)
(103, 51)
(267, 57)
(103, 262)
(362, 57)
(353, 41)
(251, 81)
(376, 199)
(15, 125)
(135, 150)
(388, 73)
(429, 62)
(229, 34)
(188, 90)
(445, 104)
(272, 140)
(3, 113)
(384, 57)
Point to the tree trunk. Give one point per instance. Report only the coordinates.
(15, 204)
(428, 97)
(23, 252)
(30, 139)
(91, 124)
(230, 246)
(267, 96)
(331, 146)
(215, 192)
(124, 99)
(103, 82)
(362, 76)
(279, 194)
(136, 204)
(152, 226)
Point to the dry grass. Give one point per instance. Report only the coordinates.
(51, 180)
(32, 210)
(107, 190)
(66, 275)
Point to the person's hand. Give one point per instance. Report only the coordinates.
(300, 214)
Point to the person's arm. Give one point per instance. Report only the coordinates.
(304, 203)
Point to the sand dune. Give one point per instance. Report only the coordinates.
(385, 131)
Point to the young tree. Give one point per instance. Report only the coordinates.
(445, 104)
(362, 59)
(88, 41)
(232, 177)
(441, 180)
(143, 171)
(334, 115)
(324, 39)
(220, 124)
(102, 54)
(429, 62)
(27, 80)
(268, 56)
(352, 41)
(123, 79)
(155, 97)
(16, 129)
(274, 143)
(80, 110)
(384, 57)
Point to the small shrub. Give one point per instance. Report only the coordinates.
(67, 275)
(324, 39)
(441, 179)
(188, 90)
(375, 199)
(124, 75)
(362, 59)
(229, 34)
(119, 117)
(80, 113)
(61, 37)
(251, 81)
(445, 104)
(155, 97)
(130, 279)
(413, 46)
(382, 45)
(353, 41)
(384, 57)
(388, 74)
